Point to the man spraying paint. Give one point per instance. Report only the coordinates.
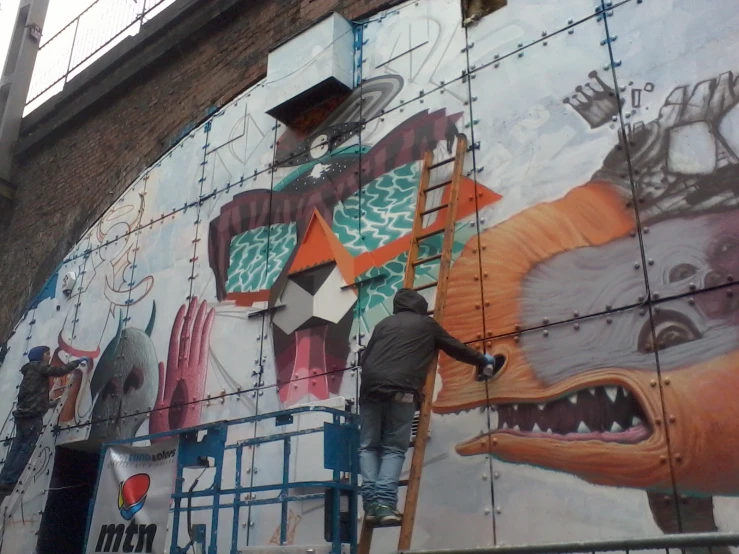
(394, 367)
(33, 403)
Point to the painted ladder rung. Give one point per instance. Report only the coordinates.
(426, 260)
(440, 185)
(432, 210)
(426, 286)
(429, 234)
(442, 162)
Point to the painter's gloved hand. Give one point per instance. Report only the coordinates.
(491, 366)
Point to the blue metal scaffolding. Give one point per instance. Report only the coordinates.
(340, 455)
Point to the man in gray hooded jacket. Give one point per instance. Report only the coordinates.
(394, 368)
(33, 403)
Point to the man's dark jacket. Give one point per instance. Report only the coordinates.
(402, 347)
(33, 396)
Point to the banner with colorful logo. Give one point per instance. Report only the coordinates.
(133, 498)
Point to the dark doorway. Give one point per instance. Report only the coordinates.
(68, 503)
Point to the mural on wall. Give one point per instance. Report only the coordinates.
(107, 273)
(608, 233)
(597, 400)
(310, 230)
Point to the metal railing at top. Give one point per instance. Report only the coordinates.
(687, 543)
(89, 35)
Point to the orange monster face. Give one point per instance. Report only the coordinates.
(586, 397)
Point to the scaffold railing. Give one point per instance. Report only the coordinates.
(209, 441)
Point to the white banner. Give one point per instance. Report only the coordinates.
(133, 497)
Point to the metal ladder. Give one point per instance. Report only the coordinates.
(418, 235)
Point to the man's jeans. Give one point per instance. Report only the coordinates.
(384, 439)
(27, 433)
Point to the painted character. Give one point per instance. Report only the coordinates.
(315, 280)
(124, 385)
(182, 382)
(589, 397)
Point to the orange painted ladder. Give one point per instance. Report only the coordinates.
(418, 235)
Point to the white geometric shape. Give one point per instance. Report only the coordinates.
(692, 149)
(332, 302)
(298, 308)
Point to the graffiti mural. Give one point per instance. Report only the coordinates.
(307, 226)
(598, 399)
(596, 250)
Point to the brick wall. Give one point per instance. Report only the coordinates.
(68, 180)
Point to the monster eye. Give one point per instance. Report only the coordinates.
(670, 329)
(111, 390)
(319, 146)
(682, 272)
(134, 381)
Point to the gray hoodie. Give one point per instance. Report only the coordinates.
(33, 396)
(402, 348)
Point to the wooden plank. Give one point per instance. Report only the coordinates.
(419, 449)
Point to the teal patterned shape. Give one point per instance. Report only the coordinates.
(379, 291)
(251, 267)
(387, 207)
(371, 274)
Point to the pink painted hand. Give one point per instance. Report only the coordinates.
(182, 385)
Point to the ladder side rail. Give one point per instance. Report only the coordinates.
(410, 269)
(409, 278)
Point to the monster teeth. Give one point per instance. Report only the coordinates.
(592, 391)
(616, 428)
(612, 392)
(541, 406)
(582, 428)
(515, 406)
(536, 428)
(572, 398)
(504, 426)
(635, 421)
(549, 431)
(516, 428)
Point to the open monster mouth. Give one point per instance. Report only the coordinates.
(609, 413)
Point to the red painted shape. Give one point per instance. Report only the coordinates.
(309, 373)
(135, 488)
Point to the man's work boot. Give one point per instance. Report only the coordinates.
(370, 512)
(385, 515)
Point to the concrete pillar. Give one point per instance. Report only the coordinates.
(15, 82)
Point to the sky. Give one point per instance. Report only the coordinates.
(60, 13)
